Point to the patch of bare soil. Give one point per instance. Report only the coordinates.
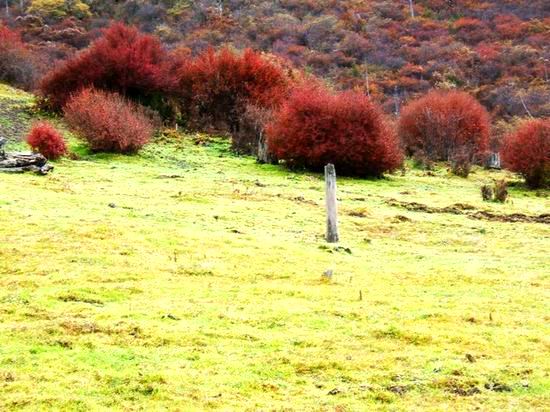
(471, 212)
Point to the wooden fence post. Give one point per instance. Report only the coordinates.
(331, 204)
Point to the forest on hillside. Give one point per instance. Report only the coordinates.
(392, 50)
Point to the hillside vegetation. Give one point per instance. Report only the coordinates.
(495, 49)
(186, 277)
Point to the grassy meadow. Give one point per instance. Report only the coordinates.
(188, 278)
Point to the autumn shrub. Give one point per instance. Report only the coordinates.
(316, 126)
(17, 62)
(123, 61)
(215, 87)
(108, 121)
(46, 140)
(445, 125)
(527, 152)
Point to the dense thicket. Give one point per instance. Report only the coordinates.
(315, 127)
(527, 151)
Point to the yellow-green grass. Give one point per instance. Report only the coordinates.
(186, 278)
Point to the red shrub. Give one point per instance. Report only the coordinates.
(442, 125)
(108, 121)
(43, 138)
(527, 151)
(215, 87)
(123, 60)
(17, 63)
(471, 30)
(315, 127)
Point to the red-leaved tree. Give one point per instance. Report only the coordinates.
(527, 152)
(108, 121)
(46, 140)
(442, 125)
(316, 126)
(123, 61)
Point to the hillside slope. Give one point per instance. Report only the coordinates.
(497, 50)
(186, 277)
(15, 116)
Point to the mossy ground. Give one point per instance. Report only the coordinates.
(186, 278)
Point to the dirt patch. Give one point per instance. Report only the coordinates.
(74, 327)
(363, 212)
(513, 218)
(399, 389)
(75, 298)
(401, 219)
(470, 211)
(474, 390)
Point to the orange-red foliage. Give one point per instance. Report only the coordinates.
(108, 121)
(44, 139)
(216, 87)
(527, 151)
(442, 125)
(315, 127)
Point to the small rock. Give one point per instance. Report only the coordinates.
(328, 274)
(170, 316)
(112, 205)
(498, 387)
(470, 358)
(334, 391)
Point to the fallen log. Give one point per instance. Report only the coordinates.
(24, 162)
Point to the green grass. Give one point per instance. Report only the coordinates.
(202, 289)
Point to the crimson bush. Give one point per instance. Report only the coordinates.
(123, 60)
(108, 121)
(216, 87)
(527, 152)
(315, 127)
(44, 139)
(443, 125)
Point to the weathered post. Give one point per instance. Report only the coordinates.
(331, 204)
(494, 161)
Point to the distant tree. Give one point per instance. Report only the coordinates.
(411, 8)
